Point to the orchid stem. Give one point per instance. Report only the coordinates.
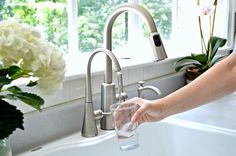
(213, 20)
(203, 44)
(212, 25)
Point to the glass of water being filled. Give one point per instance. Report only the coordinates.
(125, 129)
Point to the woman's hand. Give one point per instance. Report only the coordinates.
(149, 111)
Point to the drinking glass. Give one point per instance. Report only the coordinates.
(125, 129)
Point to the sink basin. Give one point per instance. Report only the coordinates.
(171, 137)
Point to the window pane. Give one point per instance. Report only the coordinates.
(161, 10)
(49, 16)
(177, 22)
(92, 16)
(187, 28)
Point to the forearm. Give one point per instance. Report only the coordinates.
(218, 81)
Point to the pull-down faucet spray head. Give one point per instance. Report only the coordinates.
(157, 46)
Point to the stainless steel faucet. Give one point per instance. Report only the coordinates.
(108, 93)
(142, 88)
(108, 88)
(89, 128)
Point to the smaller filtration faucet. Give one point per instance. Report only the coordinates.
(89, 128)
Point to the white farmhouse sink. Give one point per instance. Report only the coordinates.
(171, 137)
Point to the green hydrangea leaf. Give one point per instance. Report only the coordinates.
(16, 72)
(3, 71)
(10, 119)
(32, 83)
(12, 70)
(31, 99)
(14, 89)
(4, 81)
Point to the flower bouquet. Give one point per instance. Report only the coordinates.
(25, 58)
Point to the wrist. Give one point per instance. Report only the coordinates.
(163, 109)
(160, 106)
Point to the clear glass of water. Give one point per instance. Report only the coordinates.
(125, 129)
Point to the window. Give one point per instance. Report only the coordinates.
(92, 17)
(161, 10)
(49, 16)
(185, 37)
(78, 25)
(177, 23)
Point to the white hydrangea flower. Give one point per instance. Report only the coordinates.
(21, 43)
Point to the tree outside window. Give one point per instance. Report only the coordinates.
(49, 16)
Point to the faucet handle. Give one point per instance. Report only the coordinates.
(141, 83)
(141, 88)
(123, 95)
(99, 114)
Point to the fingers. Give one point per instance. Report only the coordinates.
(138, 115)
(117, 120)
(123, 113)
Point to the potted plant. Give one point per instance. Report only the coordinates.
(25, 58)
(196, 64)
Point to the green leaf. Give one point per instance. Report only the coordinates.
(14, 89)
(12, 70)
(4, 81)
(188, 58)
(217, 60)
(10, 119)
(16, 72)
(3, 71)
(201, 58)
(32, 83)
(9, 97)
(216, 43)
(31, 99)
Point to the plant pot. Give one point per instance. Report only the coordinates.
(5, 148)
(192, 73)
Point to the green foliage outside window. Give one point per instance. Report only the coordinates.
(161, 10)
(92, 16)
(49, 16)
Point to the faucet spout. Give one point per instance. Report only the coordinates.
(155, 39)
(89, 128)
(88, 75)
